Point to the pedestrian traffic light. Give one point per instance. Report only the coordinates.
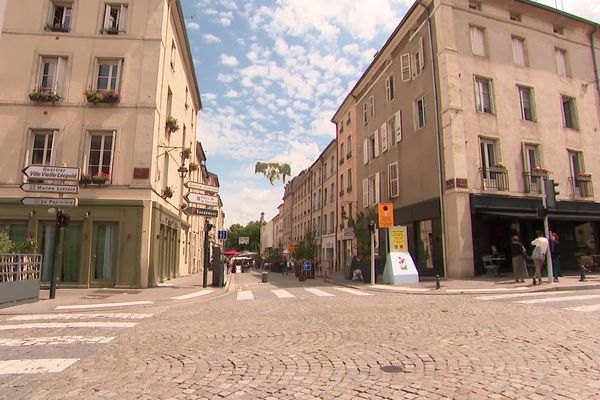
(551, 192)
(372, 226)
(62, 219)
(209, 226)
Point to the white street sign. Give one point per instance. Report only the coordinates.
(52, 172)
(45, 201)
(41, 187)
(202, 199)
(244, 240)
(201, 186)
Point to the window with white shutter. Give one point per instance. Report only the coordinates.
(393, 188)
(405, 67)
(477, 41)
(384, 138)
(115, 17)
(365, 151)
(365, 115)
(561, 62)
(398, 118)
(371, 106)
(376, 143)
(365, 192)
(389, 88)
(518, 46)
(376, 189)
(51, 74)
(418, 59)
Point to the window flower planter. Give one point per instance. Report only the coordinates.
(85, 180)
(167, 192)
(95, 96)
(193, 167)
(171, 125)
(101, 178)
(41, 96)
(540, 171)
(584, 177)
(186, 153)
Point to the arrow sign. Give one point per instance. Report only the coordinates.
(204, 212)
(45, 201)
(201, 186)
(51, 172)
(40, 187)
(201, 199)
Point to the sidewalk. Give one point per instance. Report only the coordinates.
(481, 284)
(102, 299)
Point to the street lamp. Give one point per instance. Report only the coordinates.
(182, 171)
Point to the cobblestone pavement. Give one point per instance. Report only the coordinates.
(383, 346)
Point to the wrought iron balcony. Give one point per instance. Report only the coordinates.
(494, 178)
(581, 186)
(533, 182)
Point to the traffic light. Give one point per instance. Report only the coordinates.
(62, 219)
(372, 226)
(209, 226)
(551, 192)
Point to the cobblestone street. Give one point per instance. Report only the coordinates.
(313, 346)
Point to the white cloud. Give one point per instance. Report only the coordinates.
(225, 78)
(193, 25)
(229, 61)
(209, 38)
(232, 93)
(243, 202)
(588, 9)
(225, 21)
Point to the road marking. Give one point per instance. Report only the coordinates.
(55, 340)
(556, 299)
(353, 291)
(590, 308)
(245, 295)
(515, 295)
(400, 288)
(38, 366)
(103, 305)
(486, 290)
(282, 294)
(319, 292)
(192, 295)
(34, 325)
(40, 317)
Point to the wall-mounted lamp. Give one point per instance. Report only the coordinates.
(182, 171)
(32, 213)
(87, 214)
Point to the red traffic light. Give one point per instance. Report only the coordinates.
(62, 219)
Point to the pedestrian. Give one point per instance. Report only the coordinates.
(539, 255)
(555, 253)
(518, 253)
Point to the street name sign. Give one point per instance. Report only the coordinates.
(43, 188)
(201, 186)
(204, 212)
(51, 172)
(45, 201)
(202, 199)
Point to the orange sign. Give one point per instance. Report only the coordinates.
(386, 215)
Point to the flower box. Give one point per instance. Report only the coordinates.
(171, 124)
(497, 170)
(85, 180)
(193, 167)
(96, 96)
(540, 171)
(584, 177)
(42, 96)
(101, 178)
(185, 153)
(167, 192)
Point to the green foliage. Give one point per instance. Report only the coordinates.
(5, 243)
(273, 171)
(27, 246)
(361, 230)
(306, 249)
(251, 230)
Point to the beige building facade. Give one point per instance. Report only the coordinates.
(108, 88)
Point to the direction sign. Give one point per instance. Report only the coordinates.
(201, 199)
(307, 265)
(43, 188)
(222, 235)
(201, 186)
(204, 212)
(52, 172)
(244, 240)
(45, 201)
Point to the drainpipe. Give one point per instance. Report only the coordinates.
(595, 57)
(439, 138)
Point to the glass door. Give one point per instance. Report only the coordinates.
(69, 258)
(104, 252)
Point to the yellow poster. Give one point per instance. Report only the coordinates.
(398, 239)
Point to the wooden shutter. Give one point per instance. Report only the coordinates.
(393, 188)
(365, 151)
(477, 41)
(365, 192)
(377, 193)
(384, 138)
(422, 53)
(405, 67)
(107, 16)
(376, 144)
(398, 117)
(123, 18)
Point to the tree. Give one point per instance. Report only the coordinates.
(361, 230)
(273, 171)
(307, 248)
(251, 231)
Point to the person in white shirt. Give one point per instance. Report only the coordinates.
(539, 255)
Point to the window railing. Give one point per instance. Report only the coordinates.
(533, 182)
(581, 187)
(494, 178)
(349, 189)
(57, 27)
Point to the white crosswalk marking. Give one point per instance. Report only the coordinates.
(103, 305)
(282, 294)
(556, 299)
(192, 295)
(517, 295)
(319, 292)
(35, 325)
(589, 308)
(245, 295)
(40, 317)
(353, 291)
(55, 340)
(37, 366)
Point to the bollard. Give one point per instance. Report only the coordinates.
(437, 282)
(582, 270)
(265, 277)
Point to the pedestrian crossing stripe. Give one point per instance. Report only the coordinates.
(282, 294)
(319, 292)
(55, 340)
(557, 299)
(517, 295)
(192, 295)
(245, 295)
(44, 325)
(41, 317)
(36, 366)
(589, 308)
(353, 291)
(103, 305)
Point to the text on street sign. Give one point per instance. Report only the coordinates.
(204, 212)
(45, 201)
(52, 172)
(201, 186)
(44, 188)
(202, 199)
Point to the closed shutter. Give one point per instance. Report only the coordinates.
(377, 192)
(376, 145)
(393, 188)
(123, 18)
(422, 52)
(107, 16)
(477, 41)
(405, 67)
(384, 138)
(561, 62)
(398, 117)
(518, 51)
(365, 192)
(365, 151)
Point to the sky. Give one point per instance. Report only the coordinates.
(272, 73)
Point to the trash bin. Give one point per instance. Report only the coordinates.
(265, 277)
(218, 275)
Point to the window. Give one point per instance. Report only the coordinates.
(349, 188)
(108, 74)
(365, 112)
(51, 74)
(341, 153)
(348, 120)
(526, 102)
(561, 62)
(325, 196)
(371, 107)
(475, 5)
(394, 127)
(420, 119)
(173, 53)
(418, 60)
(100, 155)
(384, 137)
(575, 163)
(332, 163)
(342, 186)
(477, 41)
(518, 46)
(569, 112)
(489, 160)
(373, 146)
(531, 160)
(371, 190)
(331, 222)
(42, 144)
(405, 67)
(393, 188)
(115, 16)
(324, 231)
(483, 95)
(332, 193)
(349, 147)
(516, 17)
(559, 30)
(389, 88)
(60, 17)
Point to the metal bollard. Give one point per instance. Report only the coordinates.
(265, 277)
(437, 282)
(582, 270)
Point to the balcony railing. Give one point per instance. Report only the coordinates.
(581, 187)
(533, 182)
(494, 178)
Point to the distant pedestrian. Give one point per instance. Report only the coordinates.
(518, 253)
(555, 252)
(539, 255)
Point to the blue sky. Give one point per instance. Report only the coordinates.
(273, 73)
